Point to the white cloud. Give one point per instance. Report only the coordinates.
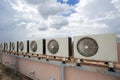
(57, 22)
(47, 8)
(34, 18)
(52, 8)
(95, 16)
(49, 18)
(116, 4)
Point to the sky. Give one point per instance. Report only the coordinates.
(38, 19)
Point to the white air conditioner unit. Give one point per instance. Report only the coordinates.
(22, 46)
(7, 46)
(58, 47)
(36, 47)
(13, 46)
(102, 47)
(1, 46)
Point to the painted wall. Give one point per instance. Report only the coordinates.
(44, 71)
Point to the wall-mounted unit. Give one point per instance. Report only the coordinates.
(7, 46)
(1, 46)
(22, 46)
(36, 46)
(102, 47)
(58, 47)
(13, 46)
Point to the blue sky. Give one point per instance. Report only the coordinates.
(69, 2)
(36, 19)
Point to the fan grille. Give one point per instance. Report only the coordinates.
(6, 46)
(87, 47)
(12, 46)
(33, 46)
(21, 46)
(1, 46)
(53, 46)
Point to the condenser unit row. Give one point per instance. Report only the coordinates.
(102, 47)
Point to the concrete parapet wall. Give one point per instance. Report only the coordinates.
(44, 71)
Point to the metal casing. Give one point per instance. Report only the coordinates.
(107, 47)
(7, 46)
(22, 46)
(39, 48)
(2, 46)
(13, 46)
(64, 47)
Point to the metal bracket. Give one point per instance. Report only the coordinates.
(111, 67)
(78, 62)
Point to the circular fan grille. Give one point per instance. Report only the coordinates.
(6, 46)
(53, 46)
(13, 46)
(87, 47)
(33, 46)
(1, 46)
(21, 46)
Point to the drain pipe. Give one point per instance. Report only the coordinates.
(16, 59)
(63, 71)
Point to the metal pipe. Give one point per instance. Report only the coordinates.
(62, 71)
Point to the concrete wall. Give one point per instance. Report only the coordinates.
(44, 71)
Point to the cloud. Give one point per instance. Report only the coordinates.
(116, 3)
(28, 16)
(53, 9)
(9, 29)
(35, 2)
(95, 16)
(6, 16)
(57, 22)
(37, 17)
(94, 8)
(32, 19)
(49, 7)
